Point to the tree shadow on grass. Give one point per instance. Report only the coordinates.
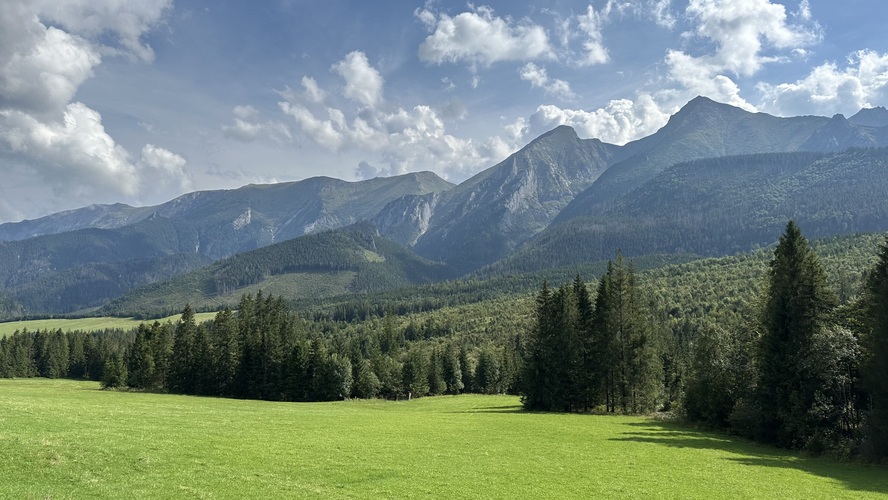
(496, 409)
(857, 477)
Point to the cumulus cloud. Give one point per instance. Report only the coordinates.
(247, 126)
(539, 78)
(41, 68)
(125, 21)
(740, 31)
(161, 172)
(593, 47)
(363, 83)
(399, 138)
(660, 11)
(619, 122)
(481, 37)
(829, 89)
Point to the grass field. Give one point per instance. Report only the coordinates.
(65, 439)
(86, 324)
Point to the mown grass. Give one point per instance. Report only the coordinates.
(87, 324)
(64, 439)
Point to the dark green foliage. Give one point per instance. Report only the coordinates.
(796, 307)
(722, 206)
(626, 350)
(720, 376)
(376, 263)
(875, 364)
(415, 372)
(115, 372)
(579, 356)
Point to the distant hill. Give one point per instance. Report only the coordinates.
(355, 259)
(265, 212)
(120, 247)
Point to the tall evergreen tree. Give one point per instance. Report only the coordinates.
(183, 378)
(625, 351)
(537, 377)
(796, 306)
(875, 365)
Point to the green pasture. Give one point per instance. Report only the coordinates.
(86, 324)
(65, 439)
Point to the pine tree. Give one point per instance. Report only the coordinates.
(537, 377)
(797, 303)
(625, 352)
(182, 364)
(875, 365)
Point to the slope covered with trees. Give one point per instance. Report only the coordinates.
(354, 259)
(722, 206)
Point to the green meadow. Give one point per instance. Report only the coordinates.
(87, 324)
(66, 439)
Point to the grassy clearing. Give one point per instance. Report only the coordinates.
(86, 324)
(64, 439)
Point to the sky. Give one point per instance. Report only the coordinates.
(105, 101)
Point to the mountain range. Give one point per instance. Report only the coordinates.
(714, 180)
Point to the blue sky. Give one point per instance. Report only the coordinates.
(106, 101)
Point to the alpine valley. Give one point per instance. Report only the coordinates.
(714, 181)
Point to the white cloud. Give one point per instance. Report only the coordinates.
(539, 78)
(741, 28)
(41, 68)
(363, 83)
(75, 156)
(127, 21)
(804, 12)
(828, 89)
(161, 172)
(312, 92)
(594, 50)
(480, 37)
(661, 13)
(619, 122)
(247, 126)
(402, 139)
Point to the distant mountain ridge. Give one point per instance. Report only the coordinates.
(285, 210)
(557, 201)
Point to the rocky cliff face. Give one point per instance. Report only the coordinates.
(407, 219)
(484, 218)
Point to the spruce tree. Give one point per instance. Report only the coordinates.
(625, 352)
(182, 364)
(796, 306)
(875, 365)
(537, 377)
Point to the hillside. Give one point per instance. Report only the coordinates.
(355, 259)
(487, 216)
(701, 129)
(723, 206)
(73, 270)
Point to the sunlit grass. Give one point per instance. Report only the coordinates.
(64, 439)
(86, 324)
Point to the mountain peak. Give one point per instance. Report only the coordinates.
(564, 132)
(871, 117)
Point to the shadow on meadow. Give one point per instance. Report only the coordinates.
(858, 477)
(496, 409)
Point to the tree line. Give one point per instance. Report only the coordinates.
(803, 372)
(265, 351)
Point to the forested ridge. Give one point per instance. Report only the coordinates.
(372, 263)
(722, 206)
